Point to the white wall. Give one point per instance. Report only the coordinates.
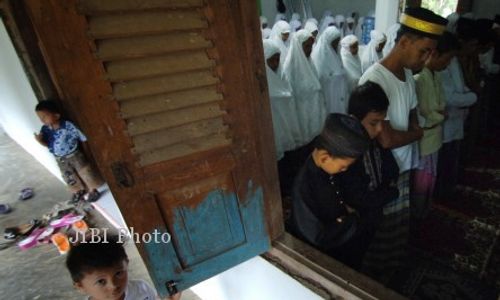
(251, 280)
(345, 7)
(17, 109)
(486, 8)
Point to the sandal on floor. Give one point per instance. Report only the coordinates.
(32, 240)
(68, 219)
(12, 233)
(5, 209)
(77, 196)
(61, 241)
(26, 194)
(92, 196)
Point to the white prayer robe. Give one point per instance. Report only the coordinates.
(299, 72)
(458, 97)
(283, 107)
(331, 73)
(352, 63)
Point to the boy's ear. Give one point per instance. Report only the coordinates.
(323, 156)
(79, 287)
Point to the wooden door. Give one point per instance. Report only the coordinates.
(172, 96)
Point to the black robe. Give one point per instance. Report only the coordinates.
(319, 215)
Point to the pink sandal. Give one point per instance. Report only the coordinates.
(68, 219)
(32, 240)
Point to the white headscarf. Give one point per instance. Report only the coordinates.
(266, 33)
(392, 32)
(352, 64)
(326, 13)
(297, 68)
(347, 31)
(277, 87)
(295, 17)
(311, 26)
(324, 57)
(340, 23)
(279, 28)
(263, 20)
(313, 20)
(452, 22)
(279, 17)
(295, 25)
(359, 30)
(327, 21)
(370, 55)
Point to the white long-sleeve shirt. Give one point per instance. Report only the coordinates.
(458, 99)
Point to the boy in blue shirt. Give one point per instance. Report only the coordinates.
(63, 139)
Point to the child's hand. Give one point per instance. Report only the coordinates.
(39, 138)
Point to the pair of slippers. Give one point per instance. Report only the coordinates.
(59, 239)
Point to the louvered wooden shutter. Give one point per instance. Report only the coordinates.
(173, 98)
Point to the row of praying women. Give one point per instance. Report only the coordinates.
(320, 79)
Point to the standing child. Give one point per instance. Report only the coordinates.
(63, 139)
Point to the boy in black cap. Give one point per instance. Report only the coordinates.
(415, 41)
(319, 214)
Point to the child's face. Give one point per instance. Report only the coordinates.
(105, 284)
(373, 122)
(48, 118)
(333, 165)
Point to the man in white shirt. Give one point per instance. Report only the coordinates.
(415, 41)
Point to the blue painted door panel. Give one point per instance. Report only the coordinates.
(217, 234)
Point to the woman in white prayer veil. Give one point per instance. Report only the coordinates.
(359, 30)
(299, 72)
(391, 34)
(349, 26)
(350, 59)
(279, 17)
(295, 17)
(332, 76)
(281, 36)
(312, 28)
(326, 13)
(327, 22)
(340, 23)
(373, 51)
(295, 25)
(283, 108)
(264, 27)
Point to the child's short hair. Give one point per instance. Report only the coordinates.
(49, 106)
(342, 136)
(368, 97)
(88, 257)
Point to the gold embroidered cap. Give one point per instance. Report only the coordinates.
(421, 25)
(423, 21)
